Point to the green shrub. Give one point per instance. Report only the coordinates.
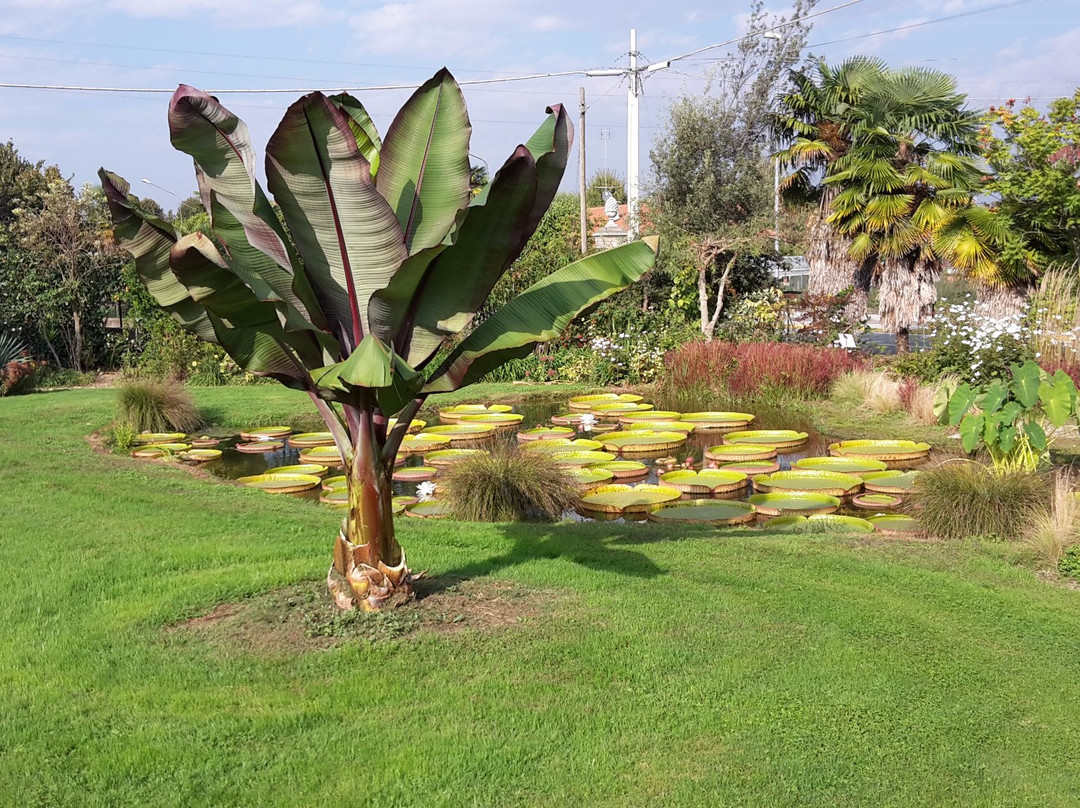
(961, 499)
(152, 405)
(1069, 566)
(509, 485)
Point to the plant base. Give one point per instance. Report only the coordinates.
(354, 583)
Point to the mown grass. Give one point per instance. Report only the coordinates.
(674, 667)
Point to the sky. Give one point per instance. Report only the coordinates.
(997, 49)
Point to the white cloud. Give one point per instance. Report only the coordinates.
(238, 13)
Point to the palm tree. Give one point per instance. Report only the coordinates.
(815, 121)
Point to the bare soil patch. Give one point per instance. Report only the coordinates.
(302, 618)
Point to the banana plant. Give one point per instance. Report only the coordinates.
(351, 285)
(1014, 420)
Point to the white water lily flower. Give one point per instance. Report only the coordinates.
(425, 491)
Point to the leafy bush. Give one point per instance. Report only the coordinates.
(509, 485)
(821, 319)
(710, 373)
(961, 499)
(152, 405)
(1069, 566)
(760, 316)
(17, 369)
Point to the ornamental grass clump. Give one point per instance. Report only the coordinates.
(150, 405)
(874, 390)
(508, 485)
(1050, 532)
(963, 499)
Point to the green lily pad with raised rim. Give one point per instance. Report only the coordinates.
(261, 446)
(545, 433)
(613, 412)
(562, 445)
(399, 503)
(650, 415)
(337, 481)
(462, 433)
(280, 483)
(429, 509)
(740, 452)
(625, 469)
(791, 521)
(582, 458)
(265, 433)
(337, 497)
(423, 442)
(845, 465)
(706, 481)
(718, 420)
(159, 437)
(780, 438)
(501, 421)
(820, 522)
(445, 457)
(876, 502)
(450, 415)
(205, 442)
(200, 455)
(893, 481)
(885, 450)
(589, 476)
(160, 449)
(705, 511)
(642, 440)
(753, 467)
(619, 498)
(415, 474)
(322, 455)
(587, 402)
(895, 524)
(316, 469)
(777, 503)
(415, 425)
(305, 440)
(663, 426)
(824, 482)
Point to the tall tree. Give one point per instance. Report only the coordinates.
(385, 255)
(712, 182)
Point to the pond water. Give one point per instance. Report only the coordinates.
(234, 464)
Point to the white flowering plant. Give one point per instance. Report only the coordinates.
(977, 347)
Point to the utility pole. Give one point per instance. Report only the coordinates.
(581, 174)
(632, 94)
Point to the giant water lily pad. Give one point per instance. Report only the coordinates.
(876, 502)
(893, 481)
(663, 426)
(589, 476)
(885, 450)
(613, 412)
(261, 446)
(780, 438)
(322, 455)
(545, 433)
(265, 433)
(784, 502)
(753, 467)
(337, 497)
(895, 524)
(642, 440)
(706, 481)
(625, 469)
(415, 425)
(305, 440)
(338, 481)
(155, 450)
(462, 433)
(649, 415)
(498, 420)
(415, 474)
(732, 452)
(824, 482)
(205, 442)
(714, 421)
(429, 509)
(705, 511)
(400, 503)
(446, 457)
(845, 465)
(451, 415)
(159, 437)
(562, 445)
(423, 442)
(280, 483)
(627, 498)
(582, 458)
(821, 522)
(316, 469)
(200, 455)
(589, 401)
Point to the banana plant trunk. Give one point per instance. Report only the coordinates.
(369, 569)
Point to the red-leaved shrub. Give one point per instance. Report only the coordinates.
(728, 370)
(18, 376)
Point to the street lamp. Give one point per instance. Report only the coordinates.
(775, 37)
(179, 206)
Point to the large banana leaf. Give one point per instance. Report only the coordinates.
(541, 312)
(373, 366)
(149, 240)
(424, 162)
(241, 215)
(362, 127)
(346, 232)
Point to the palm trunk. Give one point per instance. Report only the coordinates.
(832, 269)
(1001, 301)
(369, 567)
(907, 292)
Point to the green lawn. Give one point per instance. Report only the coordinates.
(663, 667)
